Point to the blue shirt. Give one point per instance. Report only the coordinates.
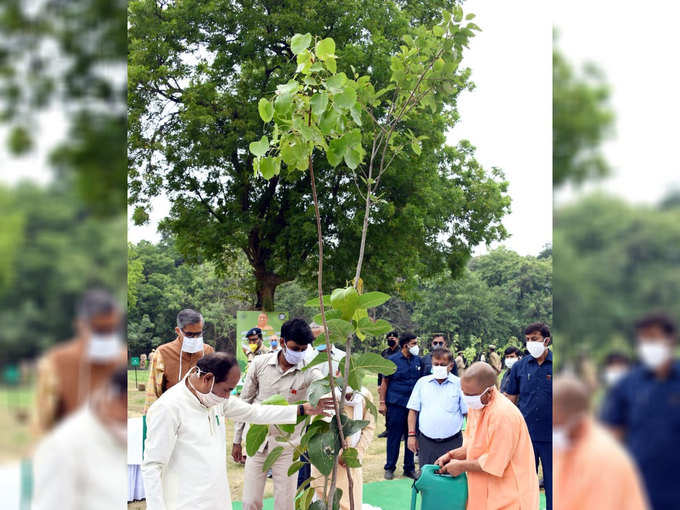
(440, 406)
(533, 383)
(648, 410)
(401, 383)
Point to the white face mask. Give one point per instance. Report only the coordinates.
(536, 349)
(614, 375)
(293, 357)
(415, 350)
(509, 362)
(192, 345)
(653, 353)
(104, 347)
(440, 372)
(208, 399)
(475, 401)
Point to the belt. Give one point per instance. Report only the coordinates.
(444, 440)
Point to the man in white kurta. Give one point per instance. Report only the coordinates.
(185, 456)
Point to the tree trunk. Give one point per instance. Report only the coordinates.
(265, 286)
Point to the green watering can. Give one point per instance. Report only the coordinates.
(439, 492)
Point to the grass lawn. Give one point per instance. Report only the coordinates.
(16, 404)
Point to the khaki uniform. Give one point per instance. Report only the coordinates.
(164, 371)
(66, 378)
(495, 361)
(266, 378)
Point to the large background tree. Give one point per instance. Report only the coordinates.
(196, 71)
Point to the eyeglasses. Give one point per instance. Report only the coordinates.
(438, 344)
(192, 334)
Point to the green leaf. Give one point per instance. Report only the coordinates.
(346, 99)
(325, 48)
(371, 407)
(318, 505)
(347, 299)
(319, 359)
(295, 467)
(377, 328)
(339, 327)
(255, 437)
(329, 122)
(323, 448)
(315, 301)
(415, 145)
(283, 105)
(266, 109)
(275, 400)
(352, 138)
(331, 65)
(353, 158)
(319, 102)
(318, 389)
(350, 456)
(260, 148)
(330, 314)
(375, 363)
(271, 458)
(336, 83)
(300, 43)
(350, 426)
(288, 88)
(335, 152)
(373, 299)
(269, 167)
(355, 112)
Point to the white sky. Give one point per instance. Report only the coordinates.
(636, 45)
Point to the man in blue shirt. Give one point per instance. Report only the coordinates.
(436, 405)
(529, 386)
(395, 391)
(438, 342)
(512, 356)
(643, 409)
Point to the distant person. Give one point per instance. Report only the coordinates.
(70, 372)
(173, 360)
(185, 451)
(496, 453)
(254, 346)
(460, 363)
(337, 354)
(590, 465)
(438, 342)
(274, 343)
(436, 411)
(529, 385)
(495, 359)
(395, 391)
(643, 409)
(616, 366)
(279, 373)
(142, 361)
(392, 339)
(512, 356)
(80, 464)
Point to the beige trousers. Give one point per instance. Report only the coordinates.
(254, 480)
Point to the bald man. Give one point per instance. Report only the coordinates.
(496, 454)
(590, 465)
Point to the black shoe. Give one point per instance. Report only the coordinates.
(411, 474)
(389, 475)
(383, 434)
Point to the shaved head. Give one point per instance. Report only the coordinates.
(570, 398)
(478, 377)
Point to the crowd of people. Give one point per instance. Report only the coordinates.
(495, 420)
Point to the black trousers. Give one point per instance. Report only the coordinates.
(429, 450)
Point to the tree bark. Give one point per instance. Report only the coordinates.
(265, 287)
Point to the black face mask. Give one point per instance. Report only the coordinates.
(391, 342)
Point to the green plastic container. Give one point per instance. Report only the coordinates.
(439, 492)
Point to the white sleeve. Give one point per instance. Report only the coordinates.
(238, 410)
(162, 426)
(54, 476)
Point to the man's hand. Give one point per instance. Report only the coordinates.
(325, 406)
(443, 460)
(453, 468)
(382, 408)
(412, 444)
(237, 453)
(458, 453)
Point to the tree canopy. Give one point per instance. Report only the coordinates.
(196, 73)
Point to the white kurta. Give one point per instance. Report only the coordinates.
(185, 456)
(80, 465)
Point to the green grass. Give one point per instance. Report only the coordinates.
(16, 405)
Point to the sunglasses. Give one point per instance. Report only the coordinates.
(192, 334)
(438, 344)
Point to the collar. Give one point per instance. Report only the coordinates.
(547, 358)
(189, 397)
